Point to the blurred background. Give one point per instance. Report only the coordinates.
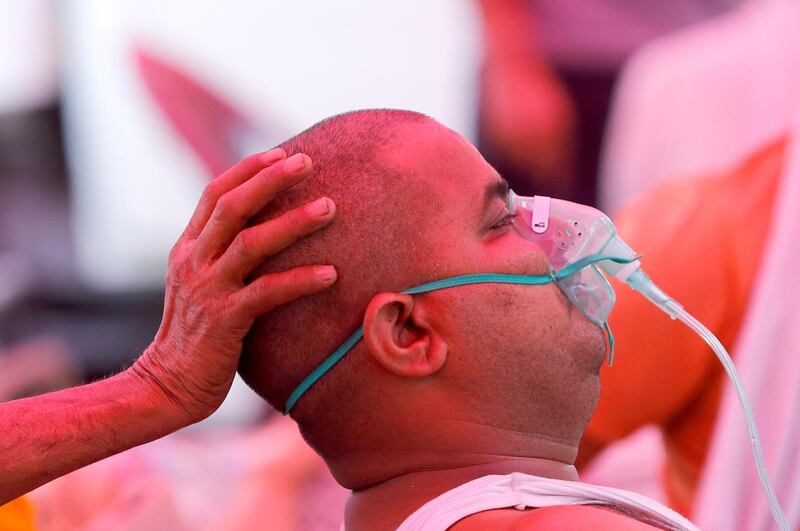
(115, 115)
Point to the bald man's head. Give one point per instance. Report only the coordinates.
(372, 242)
(416, 203)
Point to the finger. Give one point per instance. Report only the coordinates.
(252, 245)
(243, 202)
(239, 173)
(269, 291)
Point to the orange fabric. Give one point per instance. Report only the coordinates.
(701, 240)
(17, 515)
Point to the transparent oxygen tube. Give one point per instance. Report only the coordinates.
(633, 275)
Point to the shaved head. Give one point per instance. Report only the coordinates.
(438, 376)
(379, 217)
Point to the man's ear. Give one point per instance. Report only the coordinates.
(400, 338)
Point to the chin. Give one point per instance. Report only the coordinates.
(592, 343)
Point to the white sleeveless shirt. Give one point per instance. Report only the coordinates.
(521, 491)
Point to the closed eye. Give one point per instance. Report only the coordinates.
(508, 219)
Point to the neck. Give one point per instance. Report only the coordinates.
(412, 478)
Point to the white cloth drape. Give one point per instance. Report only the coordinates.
(767, 354)
(702, 99)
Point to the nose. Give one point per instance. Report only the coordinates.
(531, 259)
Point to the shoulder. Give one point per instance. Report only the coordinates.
(576, 517)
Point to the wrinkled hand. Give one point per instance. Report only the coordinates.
(209, 307)
(528, 117)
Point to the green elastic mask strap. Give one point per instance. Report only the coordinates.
(586, 261)
(452, 282)
(610, 344)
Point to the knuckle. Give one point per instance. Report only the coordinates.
(249, 164)
(212, 191)
(268, 179)
(294, 222)
(250, 297)
(177, 258)
(252, 161)
(226, 209)
(259, 298)
(175, 254)
(245, 243)
(224, 205)
(272, 156)
(292, 218)
(176, 275)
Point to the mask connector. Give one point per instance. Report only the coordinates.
(639, 281)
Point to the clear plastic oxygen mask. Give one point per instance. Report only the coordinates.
(581, 244)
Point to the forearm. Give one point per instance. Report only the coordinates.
(47, 436)
(187, 371)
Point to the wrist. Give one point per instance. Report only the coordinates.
(155, 387)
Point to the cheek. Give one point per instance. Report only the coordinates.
(511, 253)
(472, 319)
(460, 254)
(498, 319)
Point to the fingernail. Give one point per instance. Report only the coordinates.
(296, 163)
(326, 273)
(319, 208)
(273, 155)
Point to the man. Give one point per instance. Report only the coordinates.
(448, 390)
(186, 372)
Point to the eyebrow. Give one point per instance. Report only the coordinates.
(494, 190)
